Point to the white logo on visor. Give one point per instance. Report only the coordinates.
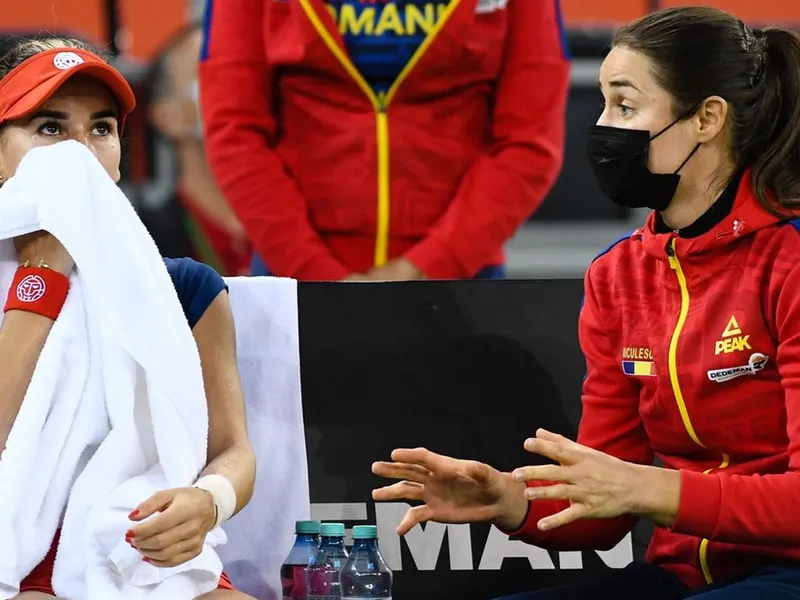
(67, 60)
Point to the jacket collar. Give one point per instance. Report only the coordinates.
(723, 224)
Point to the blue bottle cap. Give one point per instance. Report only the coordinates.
(332, 529)
(306, 527)
(365, 532)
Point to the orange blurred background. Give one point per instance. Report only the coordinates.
(147, 23)
(593, 12)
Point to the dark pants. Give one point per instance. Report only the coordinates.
(258, 268)
(639, 581)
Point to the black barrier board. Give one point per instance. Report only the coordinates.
(468, 369)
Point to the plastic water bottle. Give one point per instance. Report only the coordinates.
(366, 576)
(293, 571)
(322, 575)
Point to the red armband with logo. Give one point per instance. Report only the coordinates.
(38, 290)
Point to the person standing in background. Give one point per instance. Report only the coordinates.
(214, 233)
(383, 139)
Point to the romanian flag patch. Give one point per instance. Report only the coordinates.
(639, 368)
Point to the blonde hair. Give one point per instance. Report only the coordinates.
(29, 48)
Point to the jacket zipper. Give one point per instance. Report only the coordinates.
(380, 104)
(675, 264)
(703, 550)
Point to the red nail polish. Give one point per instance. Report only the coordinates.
(145, 559)
(133, 514)
(130, 534)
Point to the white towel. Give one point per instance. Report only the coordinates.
(116, 409)
(261, 535)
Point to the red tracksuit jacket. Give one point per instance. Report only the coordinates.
(329, 179)
(693, 356)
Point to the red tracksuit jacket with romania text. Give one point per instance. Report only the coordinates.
(329, 179)
(693, 355)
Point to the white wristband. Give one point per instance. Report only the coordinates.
(223, 493)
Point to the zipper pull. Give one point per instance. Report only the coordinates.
(673, 259)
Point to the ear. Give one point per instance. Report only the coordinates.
(711, 118)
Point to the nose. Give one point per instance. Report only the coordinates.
(81, 137)
(602, 119)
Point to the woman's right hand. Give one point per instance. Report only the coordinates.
(452, 490)
(43, 246)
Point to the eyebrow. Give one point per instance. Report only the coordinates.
(50, 114)
(58, 115)
(105, 114)
(621, 83)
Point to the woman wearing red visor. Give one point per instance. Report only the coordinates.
(58, 89)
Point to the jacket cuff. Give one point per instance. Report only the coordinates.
(436, 260)
(700, 504)
(529, 529)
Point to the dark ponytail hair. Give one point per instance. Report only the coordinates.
(776, 168)
(698, 52)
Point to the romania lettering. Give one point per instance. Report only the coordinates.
(379, 18)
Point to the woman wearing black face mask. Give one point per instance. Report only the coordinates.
(690, 327)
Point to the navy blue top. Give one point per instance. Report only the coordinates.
(197, 286)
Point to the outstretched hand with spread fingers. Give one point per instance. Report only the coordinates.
(451, 490)
(597, 485)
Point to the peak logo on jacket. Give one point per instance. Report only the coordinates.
(733, 340)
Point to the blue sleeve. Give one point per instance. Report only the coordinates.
(197, 286)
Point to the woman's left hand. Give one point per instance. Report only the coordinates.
(597, 485)
(399, 269)
(178, 533)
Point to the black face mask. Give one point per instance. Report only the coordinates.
(619, 160)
